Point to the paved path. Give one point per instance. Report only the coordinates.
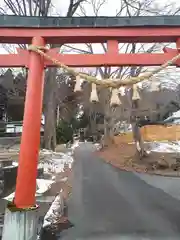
(107, 203)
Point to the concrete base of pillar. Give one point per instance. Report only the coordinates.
(20, 225)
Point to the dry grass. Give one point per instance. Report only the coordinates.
(124, 156)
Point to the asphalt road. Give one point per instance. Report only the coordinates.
(107, 203)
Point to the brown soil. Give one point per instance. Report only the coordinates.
(124, 157)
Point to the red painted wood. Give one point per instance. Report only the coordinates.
(112, 46)
(178, 44)
(87, 60)
(88, 35)
(172, 51)
(83, 60)
(15, 60)
(30, 140)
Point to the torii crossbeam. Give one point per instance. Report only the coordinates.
(40, 31)
(110, 30)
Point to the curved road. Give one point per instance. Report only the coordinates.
(107, 203)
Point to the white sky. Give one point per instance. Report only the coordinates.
(110, 8)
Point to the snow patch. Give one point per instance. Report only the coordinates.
(165, 147)
(54, 162)
(42, 186)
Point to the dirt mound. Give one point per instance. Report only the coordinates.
(124, 157)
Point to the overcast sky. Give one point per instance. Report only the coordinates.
(108, 9)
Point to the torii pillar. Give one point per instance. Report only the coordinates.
(21, 217)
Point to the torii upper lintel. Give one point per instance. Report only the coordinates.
(21, 29)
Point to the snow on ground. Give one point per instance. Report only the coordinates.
(97, 145)
(75, 145)
(52, 164)
(55, 162)
(54, 212)
(42, 186)
(166, 147)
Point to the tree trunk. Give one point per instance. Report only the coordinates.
(47, 128)
(108, 138)
(104, 97)
(139, 143)
(50, 110)
(92, 124)
(53, 143)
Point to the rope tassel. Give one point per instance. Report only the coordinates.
(115, 100)
(94, 96)
(77, 87)
(135, 95)
(106, 82)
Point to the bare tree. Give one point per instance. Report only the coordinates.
(51, 96)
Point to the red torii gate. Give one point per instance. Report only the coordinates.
(113, 31)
